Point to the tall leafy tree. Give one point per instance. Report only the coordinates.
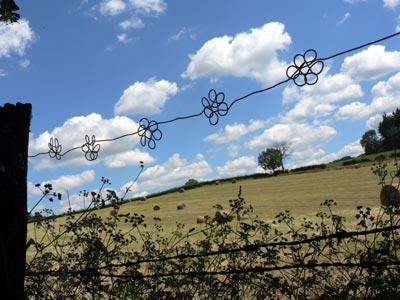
(270, 159)
(370, 142)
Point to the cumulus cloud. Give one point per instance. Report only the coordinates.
(252, 54)
(145, 97)
(128, 158)
(319, 100)
(240, 166)
(352, 149)
(391, 3)
(72, 134)
(63, 183)
(304, 140)
(371, 63)
(386, 98)
(175, 171)
(15, 38)
(234, 132)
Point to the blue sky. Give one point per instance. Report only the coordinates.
(98, 67)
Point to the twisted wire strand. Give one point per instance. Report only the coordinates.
(254, 247)
(213, 109)
(257, 269)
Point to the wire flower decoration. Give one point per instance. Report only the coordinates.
(90, 148)
(214, 106)
(54, 148)
(305, 69)
(149, 133)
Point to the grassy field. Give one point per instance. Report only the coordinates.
(299, 193)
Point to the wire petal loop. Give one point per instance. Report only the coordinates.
(149, 133)
(54, 148)
(305, 68)
(214, 106)
(90, 148)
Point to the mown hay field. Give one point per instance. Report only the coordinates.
(299, 193)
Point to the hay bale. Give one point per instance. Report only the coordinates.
(181, 206)
(144, 198)
(157, 219)
(233, 180)
(181, 190)
(356, 166)
(217, 182)
(390, 196)
(200, 220)
(156, 207)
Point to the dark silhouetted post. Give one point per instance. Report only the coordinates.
(14, 138)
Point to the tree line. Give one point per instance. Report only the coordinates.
(388, 136)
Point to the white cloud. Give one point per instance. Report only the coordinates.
(352, 149)
(15, 38)
(123, 38)
(145, 97)
(343, 19)
(234, 132)
(112, 7)
(386, 98)
(3, 73)
(391, 3)
(133, 22)
(149, 6)
(25, 63)
(185, 31)
(240, 166)
(298, 136)
(252, 54)
(174, 172)
(72, 134)
(233, 150)
(63, 183)
(373, 122)
(319, 100)
(371, 63)
(128, 158)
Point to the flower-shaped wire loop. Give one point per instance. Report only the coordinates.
(305, 69)
(149, 133)
(214, 106)
(54, 148)
(90, 148)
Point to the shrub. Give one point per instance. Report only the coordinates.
(355, 161)
(191, 182)
(93, 258)
(156, 207)
(310, 167)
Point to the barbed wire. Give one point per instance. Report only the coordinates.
(304, 71)
(366, 264)
(255, 247)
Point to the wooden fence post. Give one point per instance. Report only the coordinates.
(14, 139)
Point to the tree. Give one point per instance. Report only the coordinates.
(191, 182)
(389, 129)
(284, 152)
(370, 142)
(270, 159)
(8, 11)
